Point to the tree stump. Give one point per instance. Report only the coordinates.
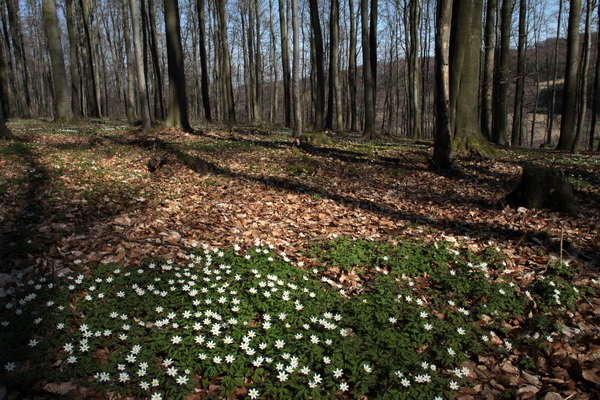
(544, 187)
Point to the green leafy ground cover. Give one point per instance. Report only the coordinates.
(435, 288)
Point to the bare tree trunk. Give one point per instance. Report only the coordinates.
(555, 76)
(442, 148)
(585, 64)
(500, 122)
(91, 73)
(227, 86)
(296, 72)
(274, 70)
(130, 96)
(5, 132)
(159, 97)
(517, 126)
(204, 61)
(373, 50)
(285, 63)
(596, 90)
(22, 75)
(414, 95)
(62, 96)
(74, 60)
(139, 66)
(319, 105)
(369, 89)
(567, 128)
(352, 68)
(487, 91)
(334, 96)
(177, 114)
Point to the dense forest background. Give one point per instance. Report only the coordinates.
(221, 61)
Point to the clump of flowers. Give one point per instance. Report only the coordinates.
(245, 323)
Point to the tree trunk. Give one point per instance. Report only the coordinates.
(587, 44)
(319, 105)
(21, 72)
(226, 83)
(569, 110)
(297, 131)
(159, 96)
(93, 83)
(596, 89)
(517, 126)
(334, 96)
(487, 90)
(285, 64)
(5, 133)
(73, 60)
(373, 50)
(130, 94)
(352, 68)
(139, 66)
(500, 118)
(177, 114)
(369, 127)
(414, 96)
(274, 100)
(552, 110)
(465, 55)
(204, 62)
(62, 96)
(442, 146)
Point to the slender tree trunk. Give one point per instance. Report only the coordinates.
(285, 63)
(500, 122)
(227, 85)
(552, 111)
(352, 68)
(334, 96)
(585, 64)
(517, 126)
(4, 80)
(414, 95)
(297, 131)
(442, 148)
(92, 73)
(177, 114)
(596, 89)
(130, 94)
(159, 97)
(319, 105)
(373, 50)
(22, 82)
(62, 96)
(487, 91)
(74, 60)
(5, 132)
(204, 61)
(139, 66)
(369, 127)
(568, 124)
(274, 70)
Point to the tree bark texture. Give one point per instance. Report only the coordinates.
(139, 66)
(319, 106)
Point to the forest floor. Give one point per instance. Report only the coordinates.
(85, 195)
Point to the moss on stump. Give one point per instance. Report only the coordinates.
(315, 139)
(544, 187)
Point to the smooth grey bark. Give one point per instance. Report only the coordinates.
(352, 68)
(139, 66)
(74, 59)
(584, 79)
(319, 60)
(177, 114)
(517, 125)
(285, 63)
(369, 89)
(158, 82)
(500, 119)
(487, 85)
(569, 117)
(297, 130)
(225, 64)
(130, 108)
(204, 61)
(415, 126)
(21, 72)
(442, 148)
(91, 76)
(334, 101)
(552, 110)
(62, 94)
